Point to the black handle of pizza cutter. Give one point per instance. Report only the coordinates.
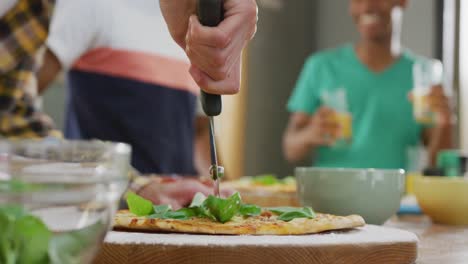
(211, 13)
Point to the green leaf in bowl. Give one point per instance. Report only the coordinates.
(33, 237)
(9, 251)
(14, 211)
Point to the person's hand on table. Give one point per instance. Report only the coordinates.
(177, 193)
(214, 52)
(322, 128)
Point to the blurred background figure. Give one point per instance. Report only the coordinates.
(252, 125)
(127, 81)
(123, 63)
(351, 106)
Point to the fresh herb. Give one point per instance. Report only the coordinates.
(139, 205)
(198, 200)
(249, 210)
(17, 186)
(289, 213)
(33, 237)
(14, 211)
(270, 179)
(265, 180)
(223, 209)
(181, 214)
(159, 211)
(211, 207)
(23, 238)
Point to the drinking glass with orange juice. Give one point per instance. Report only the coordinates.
(337, 101)
(427, 73)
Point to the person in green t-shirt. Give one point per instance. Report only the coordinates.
(372, 86)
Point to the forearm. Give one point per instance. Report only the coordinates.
(296, 146)
(438, 138)
(48, 71)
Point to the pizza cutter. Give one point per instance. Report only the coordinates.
(211, 13)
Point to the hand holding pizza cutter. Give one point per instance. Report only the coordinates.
(211, 13)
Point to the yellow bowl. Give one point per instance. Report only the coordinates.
(444, 199)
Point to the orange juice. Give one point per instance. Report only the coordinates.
(421, 109)
(345, 122)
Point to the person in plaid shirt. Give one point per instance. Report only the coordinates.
(23, 31)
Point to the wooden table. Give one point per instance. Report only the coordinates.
(439, 244)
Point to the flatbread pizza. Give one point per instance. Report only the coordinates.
(265, 224)
(229, 216)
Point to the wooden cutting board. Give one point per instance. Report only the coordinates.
(369, 244)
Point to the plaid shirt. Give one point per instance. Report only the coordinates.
(23, 31)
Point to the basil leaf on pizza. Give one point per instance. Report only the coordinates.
(290, 213)
(139, 205)
(223, 209)
(161, 209)
(229, 216)
(250, 210)
(181, 214)
(217, 209)
(198, 200)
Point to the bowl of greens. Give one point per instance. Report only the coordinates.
(57, 198)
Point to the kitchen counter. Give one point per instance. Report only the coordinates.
(438, 243)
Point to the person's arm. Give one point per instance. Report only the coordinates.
(439, 136)
(305, 133)
(214, 52)
(436, 139)
(48, 71)
(74, 29)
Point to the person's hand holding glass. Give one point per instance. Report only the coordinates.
(430, 104)
(339, 116)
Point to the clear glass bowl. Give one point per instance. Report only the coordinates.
(57, 198)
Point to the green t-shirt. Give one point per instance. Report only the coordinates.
(383, 127)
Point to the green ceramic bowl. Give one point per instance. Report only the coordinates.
(374, 194)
